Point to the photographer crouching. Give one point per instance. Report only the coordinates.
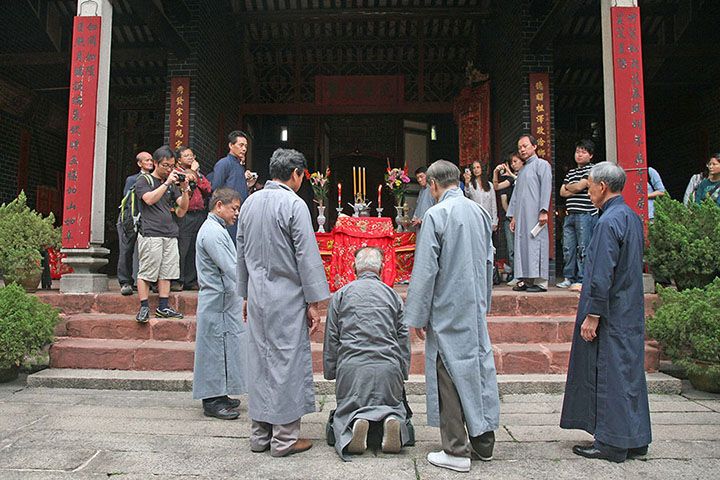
(158, 255)
(189, 224)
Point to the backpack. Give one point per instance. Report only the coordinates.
(129, 217)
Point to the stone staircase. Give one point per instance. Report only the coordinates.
(531, 334)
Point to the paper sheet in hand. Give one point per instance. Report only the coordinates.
(536, 230)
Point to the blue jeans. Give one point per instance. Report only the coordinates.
(577, 232)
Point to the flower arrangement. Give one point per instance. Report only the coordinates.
(319, 184)
(396, 179)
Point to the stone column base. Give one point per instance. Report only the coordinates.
(85, 263)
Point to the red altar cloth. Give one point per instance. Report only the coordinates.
(57, 268)
(404, 252)
(352, 233)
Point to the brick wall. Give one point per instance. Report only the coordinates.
(214, 78)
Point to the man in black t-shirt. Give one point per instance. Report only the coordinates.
(159, 259)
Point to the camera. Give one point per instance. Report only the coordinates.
(467, 170)
(180, 177)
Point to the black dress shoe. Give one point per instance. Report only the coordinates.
(637, 452)
(592, 452)
(520, 287)
(535, 289)
(220, 411)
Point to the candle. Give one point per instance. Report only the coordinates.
(364, 191)
(354, 184)
(339, 194)
(380, 196)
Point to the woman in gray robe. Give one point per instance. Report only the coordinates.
(220, 343)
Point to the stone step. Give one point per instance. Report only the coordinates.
(505, 302)
(114, 354)
(182, 381)
(94, 325)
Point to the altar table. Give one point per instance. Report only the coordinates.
(338, 247)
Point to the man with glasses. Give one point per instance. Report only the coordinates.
(189, 225)
(230, 170)
(158, 254)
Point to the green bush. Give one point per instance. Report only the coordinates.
(23, 234)
(26, 325)
(684, 243)
(687, 324)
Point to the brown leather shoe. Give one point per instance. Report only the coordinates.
(301, 445)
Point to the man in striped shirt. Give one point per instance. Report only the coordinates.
(581, 216)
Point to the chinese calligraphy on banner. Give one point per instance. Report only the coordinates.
(540, 114)
(81, 132)
(630, 105)
(179, 111)
(359, 90)
(540, 129)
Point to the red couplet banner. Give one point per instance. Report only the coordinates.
(82, 116)
(630, 105)
(179, 111)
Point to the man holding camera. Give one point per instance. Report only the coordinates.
(158, 254)
(189, 225)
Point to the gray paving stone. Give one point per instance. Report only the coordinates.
(685, 418)
(688, 406)
(49, 457)
(711, 404)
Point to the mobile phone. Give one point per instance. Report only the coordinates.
(467, 170)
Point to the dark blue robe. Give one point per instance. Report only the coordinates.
(606, 392)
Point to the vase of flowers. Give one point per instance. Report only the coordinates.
(397, 180)
(320, 183)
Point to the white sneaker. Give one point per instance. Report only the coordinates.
(564, 284)
(576, 287)
(442, 459)
(358, 444)
(512, 282)
(391, 442)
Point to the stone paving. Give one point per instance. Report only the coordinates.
(55, 433)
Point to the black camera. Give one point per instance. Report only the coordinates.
(180, 177)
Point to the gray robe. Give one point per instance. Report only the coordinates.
(449, 293)
(221, 342)
(367, 348)
(424, 201)
(533, 189)
(279, 272)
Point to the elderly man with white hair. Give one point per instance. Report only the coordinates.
(606, 391)
(367, 351)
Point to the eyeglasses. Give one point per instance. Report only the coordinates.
(166, 165)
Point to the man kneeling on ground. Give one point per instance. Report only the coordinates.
(367, 351)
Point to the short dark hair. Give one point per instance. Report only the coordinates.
(225, 195)
(232, 136)
(530, 137)
(510, 155)
(163, 152)
(284, 161)
(421, 170)
(587, 145)
(180, 150)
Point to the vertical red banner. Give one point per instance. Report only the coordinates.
(23, 162)
(82, 117)
(630, 105)
(179, 111)
(471, 111)
(541, 129)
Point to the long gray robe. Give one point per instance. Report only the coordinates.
(279, 272)
(606, 391)
(220, 342)
(533, 189)
(424, 202)
(367, 348)
(449, 293)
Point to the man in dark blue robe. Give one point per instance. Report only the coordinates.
(606, 392)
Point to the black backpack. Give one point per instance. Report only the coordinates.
(129, 217)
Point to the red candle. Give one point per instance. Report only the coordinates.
(339, 195)
(380, 196)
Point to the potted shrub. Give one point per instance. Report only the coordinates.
(687, 324)
(26, 326)
(24, 233)
(684, 242)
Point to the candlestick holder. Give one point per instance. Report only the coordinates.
(399, 218)
(321, 219)
(379, 211)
